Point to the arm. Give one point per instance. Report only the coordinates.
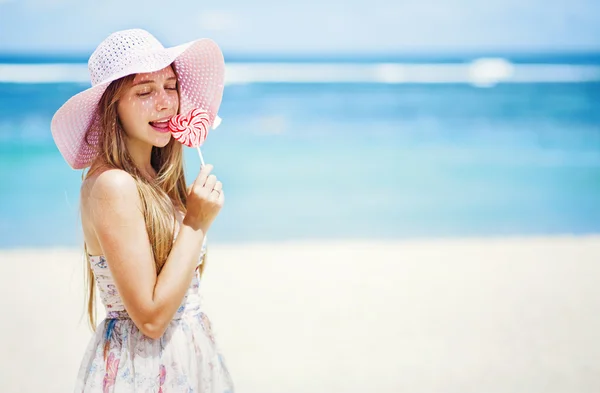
(118, 222)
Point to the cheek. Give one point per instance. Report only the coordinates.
(131, 116)
(134, 111)
(175, 100)
(148, 108)
(125, 111)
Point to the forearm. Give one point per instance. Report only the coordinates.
(174, 279)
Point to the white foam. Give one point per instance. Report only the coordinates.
(490, 71)
(44, 73)
(483, 72)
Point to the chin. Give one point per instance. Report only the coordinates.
(162, 140)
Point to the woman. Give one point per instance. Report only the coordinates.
(144, 231)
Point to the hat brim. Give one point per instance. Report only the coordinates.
(200, 69)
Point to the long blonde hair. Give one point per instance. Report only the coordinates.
(159, 196)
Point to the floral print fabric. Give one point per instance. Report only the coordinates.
(120, 359)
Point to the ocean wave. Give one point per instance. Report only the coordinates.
(483, 72)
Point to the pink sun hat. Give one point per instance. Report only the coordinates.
(200, 70)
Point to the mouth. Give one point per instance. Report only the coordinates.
(161, 125)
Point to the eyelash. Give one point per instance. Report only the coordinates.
(148, 93)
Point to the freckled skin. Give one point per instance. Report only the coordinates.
(151, 97)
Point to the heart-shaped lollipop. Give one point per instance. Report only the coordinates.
(191, 129)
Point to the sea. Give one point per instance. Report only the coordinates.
(324, 148)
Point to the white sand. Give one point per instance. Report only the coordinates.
(506, 315)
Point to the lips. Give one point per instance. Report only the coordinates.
(160, 125)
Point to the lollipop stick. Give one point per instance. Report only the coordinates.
(200, 154)
(202, 161)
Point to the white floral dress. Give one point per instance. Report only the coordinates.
(120, 359)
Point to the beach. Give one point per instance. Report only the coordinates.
(505, 314)
(408, 208)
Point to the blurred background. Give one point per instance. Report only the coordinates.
(413, 191)
(355, 119)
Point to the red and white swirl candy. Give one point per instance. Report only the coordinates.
(191, 129)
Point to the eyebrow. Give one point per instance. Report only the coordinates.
(152, 81)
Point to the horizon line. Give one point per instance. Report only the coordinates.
(449, 56)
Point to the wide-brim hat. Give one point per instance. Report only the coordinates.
(200, 70)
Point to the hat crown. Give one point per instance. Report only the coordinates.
(119, 52)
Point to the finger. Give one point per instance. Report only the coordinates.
(203, 175)
(214, 195)
(216, 191)
(221, 198)
(210, 182)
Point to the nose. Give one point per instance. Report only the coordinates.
(164, 101)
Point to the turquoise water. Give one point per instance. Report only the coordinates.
(334, 160)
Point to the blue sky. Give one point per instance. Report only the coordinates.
(308, 26)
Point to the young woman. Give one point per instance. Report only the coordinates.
(144, 230)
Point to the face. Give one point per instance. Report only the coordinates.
(147, 106)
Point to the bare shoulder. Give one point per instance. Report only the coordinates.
(109, 198)
(111, 184)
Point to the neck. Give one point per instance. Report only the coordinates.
(140, 154)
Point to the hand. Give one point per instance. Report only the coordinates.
(204, 201)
